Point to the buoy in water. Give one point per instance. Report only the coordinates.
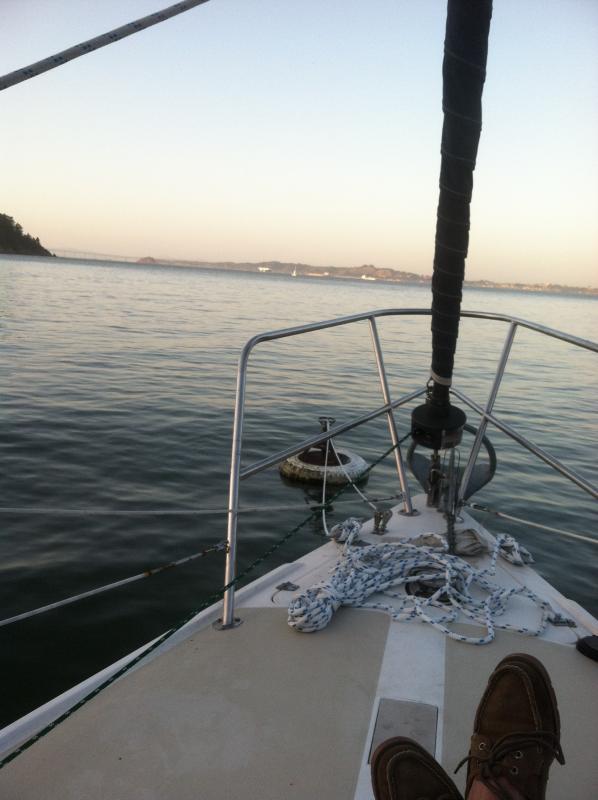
(310, 465)
(338, 464)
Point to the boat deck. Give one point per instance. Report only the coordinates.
(265, 713)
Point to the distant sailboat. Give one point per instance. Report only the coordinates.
(294, 272)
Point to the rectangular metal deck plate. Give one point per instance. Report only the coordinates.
(417, 721)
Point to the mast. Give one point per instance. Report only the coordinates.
(437, 424)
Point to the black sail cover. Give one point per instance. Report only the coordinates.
(463, 72)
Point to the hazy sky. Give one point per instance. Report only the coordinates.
(305, 130)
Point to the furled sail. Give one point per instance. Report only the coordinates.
(464, 72)
(437, 424)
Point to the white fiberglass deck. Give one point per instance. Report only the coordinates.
(262, 712)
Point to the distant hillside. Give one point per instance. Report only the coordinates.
(366, 272)
(15, 242)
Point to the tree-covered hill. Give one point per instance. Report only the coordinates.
(14, 241)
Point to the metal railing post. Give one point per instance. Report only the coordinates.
(475, 450)
(236, 475)
(228, 610)
(392, 426)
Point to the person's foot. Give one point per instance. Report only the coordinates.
(403, 770)
(516, 732)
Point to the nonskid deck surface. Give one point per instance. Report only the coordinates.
(264, 712)
(249, 713)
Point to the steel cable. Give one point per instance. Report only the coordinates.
(89, 46)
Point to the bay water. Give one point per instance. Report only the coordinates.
(118, 391)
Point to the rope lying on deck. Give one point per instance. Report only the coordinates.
(382, 568)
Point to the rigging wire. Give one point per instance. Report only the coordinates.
(152, 646)
(178, 512)
(150, 572)
(502, 515)
(146, 574)
(104, 39)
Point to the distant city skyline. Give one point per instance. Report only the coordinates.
(305, 132)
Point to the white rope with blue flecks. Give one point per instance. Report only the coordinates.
(382, 568)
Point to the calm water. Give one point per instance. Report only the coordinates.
(118, 394)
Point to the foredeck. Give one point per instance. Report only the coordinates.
(265, 713)
(255, 712)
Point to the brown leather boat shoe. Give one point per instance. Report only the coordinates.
(403, 770)
(516, 730)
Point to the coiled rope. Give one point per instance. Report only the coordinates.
(382, 568)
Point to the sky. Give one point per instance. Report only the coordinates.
(305, 131)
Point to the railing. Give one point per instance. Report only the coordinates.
(237, 474)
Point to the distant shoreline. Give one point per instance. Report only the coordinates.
(368, 273)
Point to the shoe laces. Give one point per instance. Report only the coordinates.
(491, 760)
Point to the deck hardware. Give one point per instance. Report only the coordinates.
(437, 424)
(287, 587)
(588, 646)
(429, 471)
(381, 519)
(405, 718)
(413, 513)
(220, 626)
